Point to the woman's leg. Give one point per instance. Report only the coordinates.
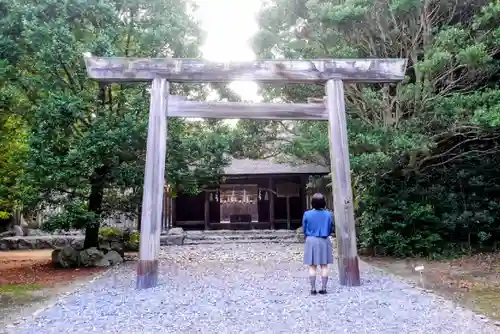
(324, 277)
(312, 277)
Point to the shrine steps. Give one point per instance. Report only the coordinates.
(247, 236)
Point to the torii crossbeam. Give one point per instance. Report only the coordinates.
(330, 72)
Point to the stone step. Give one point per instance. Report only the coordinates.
(240, 237)
(235, 232)
(232, 236)
(239, 241)
(189, 237)
(209, 232)
(228, 239)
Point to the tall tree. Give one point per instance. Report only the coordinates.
(13, 108)
(451, 47)
(87, 141)
(406, 135)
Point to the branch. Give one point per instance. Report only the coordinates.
(456, 146)
(491, 151)
(445, 136)
(68, 75)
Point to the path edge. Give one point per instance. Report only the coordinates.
(52, 301)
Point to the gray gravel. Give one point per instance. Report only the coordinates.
(248, 288)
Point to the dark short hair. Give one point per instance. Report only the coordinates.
(318, 201)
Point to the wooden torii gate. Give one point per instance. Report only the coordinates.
(330, 72)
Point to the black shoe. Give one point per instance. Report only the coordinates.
(322, 292)
(313, 292)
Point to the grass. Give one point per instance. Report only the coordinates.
(18, 294)
(486, 301)
(19, 289)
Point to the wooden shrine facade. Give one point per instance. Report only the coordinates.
(255, 194)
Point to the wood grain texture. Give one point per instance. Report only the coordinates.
(288, 214)
(174, 212)
(117, 69)
(178, 107)
(206, 213)
(147, 274)
(154, 181)
(342, 190)
(271, 195)
(303, 191)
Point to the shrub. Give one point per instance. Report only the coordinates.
(134, 239)
(110, 232)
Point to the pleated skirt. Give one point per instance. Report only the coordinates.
(318, 251)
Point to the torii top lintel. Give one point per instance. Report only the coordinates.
(115, 69)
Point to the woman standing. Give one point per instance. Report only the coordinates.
(317, 224)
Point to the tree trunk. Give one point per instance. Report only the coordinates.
(95, 205)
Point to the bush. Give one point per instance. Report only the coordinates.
(110, 232)
(135, 238)
(74, 215)
(445, 211)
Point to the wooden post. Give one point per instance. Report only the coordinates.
(288, 216)
(271, 203)
(179, 107)
(154, 180)
(169, 214)
(303, 192)
(173, 216)
(207, 209)
(163, 213)
(341, 177)
(117, 69)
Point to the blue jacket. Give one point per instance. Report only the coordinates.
(317, 223)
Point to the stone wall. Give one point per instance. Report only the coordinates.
(75, 241)
(40, 242)
(174, 236)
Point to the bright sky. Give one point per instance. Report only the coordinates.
(229, 25)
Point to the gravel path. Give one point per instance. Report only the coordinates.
(248, 288)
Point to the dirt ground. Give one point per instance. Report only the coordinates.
(28, 278)
(473, 281)
(34, 267)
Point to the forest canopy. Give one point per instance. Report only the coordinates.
(74, 143)
(424, 152)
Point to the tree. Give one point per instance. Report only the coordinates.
(87, 141)
(13, 130)
(13, 148)
(405, 134)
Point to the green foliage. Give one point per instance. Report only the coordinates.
(453, 208)
(424, 151)
(197, 155)
(13, 149)
(110, 232)
(19, 290)
(84, 142)
(135, 237)
(74, 214)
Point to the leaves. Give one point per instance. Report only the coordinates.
(85, 140)
(417, 148)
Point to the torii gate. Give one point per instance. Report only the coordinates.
(161, 71)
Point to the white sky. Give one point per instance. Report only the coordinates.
(229, 25)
